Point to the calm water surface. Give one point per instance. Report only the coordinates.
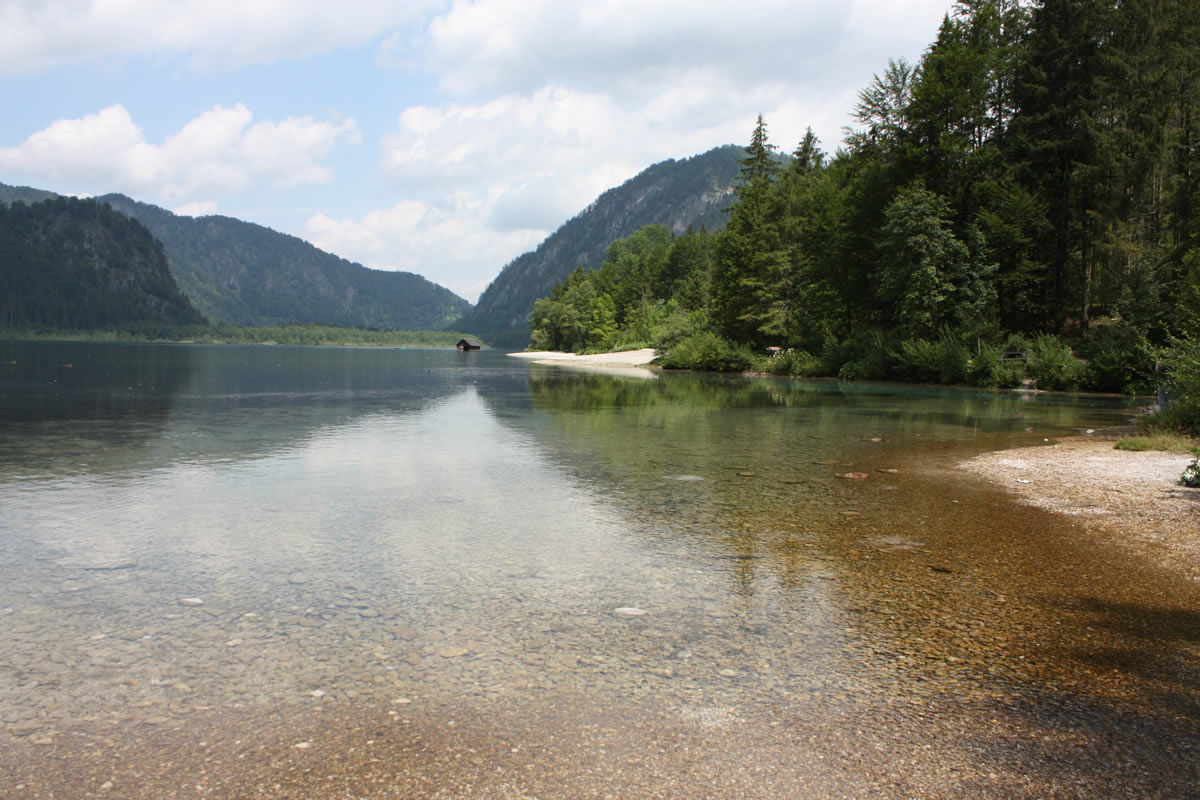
(192, 534)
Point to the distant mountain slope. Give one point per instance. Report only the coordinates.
(23, 194)
(68, 263)
(690, 192)
(239, 273)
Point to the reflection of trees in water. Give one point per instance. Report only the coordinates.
(744, 469)
(62, 381)
(136, 407)
(627, 432)
(917, 407)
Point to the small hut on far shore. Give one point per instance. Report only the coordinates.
(468, 344)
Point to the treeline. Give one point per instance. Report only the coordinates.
(291, 334)
(1030, 186)
(78, 264)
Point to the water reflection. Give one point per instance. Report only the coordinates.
(129, 409)
(367, 526)
(743, 469)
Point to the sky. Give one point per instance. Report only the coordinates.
(441, 137)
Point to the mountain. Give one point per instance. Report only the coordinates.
(239, 273)
(69, 263)
(23, 194)
(691, 192)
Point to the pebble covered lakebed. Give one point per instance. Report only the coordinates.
(316, 573)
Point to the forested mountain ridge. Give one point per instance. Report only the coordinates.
(24, 194)
(240, 273)
(68, 263)
(679, 194)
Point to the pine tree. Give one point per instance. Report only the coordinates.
(750, 252)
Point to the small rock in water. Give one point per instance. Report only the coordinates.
(302, 745)
(852, 475)
(317, 693)
(452, 652)
(190, 601)
(298, 578)
(629, 611)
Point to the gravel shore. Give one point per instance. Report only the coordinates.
(1132, 497)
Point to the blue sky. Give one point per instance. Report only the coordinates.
(442, 138)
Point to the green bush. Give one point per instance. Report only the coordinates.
(988, 369)
(944, 360)
(1191, 473)
(918, 360)
(677, 325)
(1182, 363)
(1052, 365)
(867, 355)
(708, 352)
(1166, 441)
(1119, 359)
(795, 363)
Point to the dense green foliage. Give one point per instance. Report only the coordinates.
(1030, 187)
(677, 194)
(243, 274)
(223, 334)
(79, 264)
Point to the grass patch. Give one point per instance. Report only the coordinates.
(1163, 440)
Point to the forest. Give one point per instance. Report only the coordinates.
(1019, 206)
(78, 264)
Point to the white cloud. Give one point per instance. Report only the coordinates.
(453, 247)
(217, 34)
(198, 209)
(218, 152)
(694, 62)
(538, 159)
(634, 49)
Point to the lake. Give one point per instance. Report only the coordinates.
(365, 572)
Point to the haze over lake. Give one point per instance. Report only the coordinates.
(473, 564)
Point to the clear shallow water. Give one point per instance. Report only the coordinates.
(400, 527)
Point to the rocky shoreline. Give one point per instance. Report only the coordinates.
(1133, 498)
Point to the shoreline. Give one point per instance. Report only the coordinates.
(1131, 498)
(628, 363)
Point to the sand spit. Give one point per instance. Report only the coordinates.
(630, 363)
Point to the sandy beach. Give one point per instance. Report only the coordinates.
(630, 363)
(1131, 497)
